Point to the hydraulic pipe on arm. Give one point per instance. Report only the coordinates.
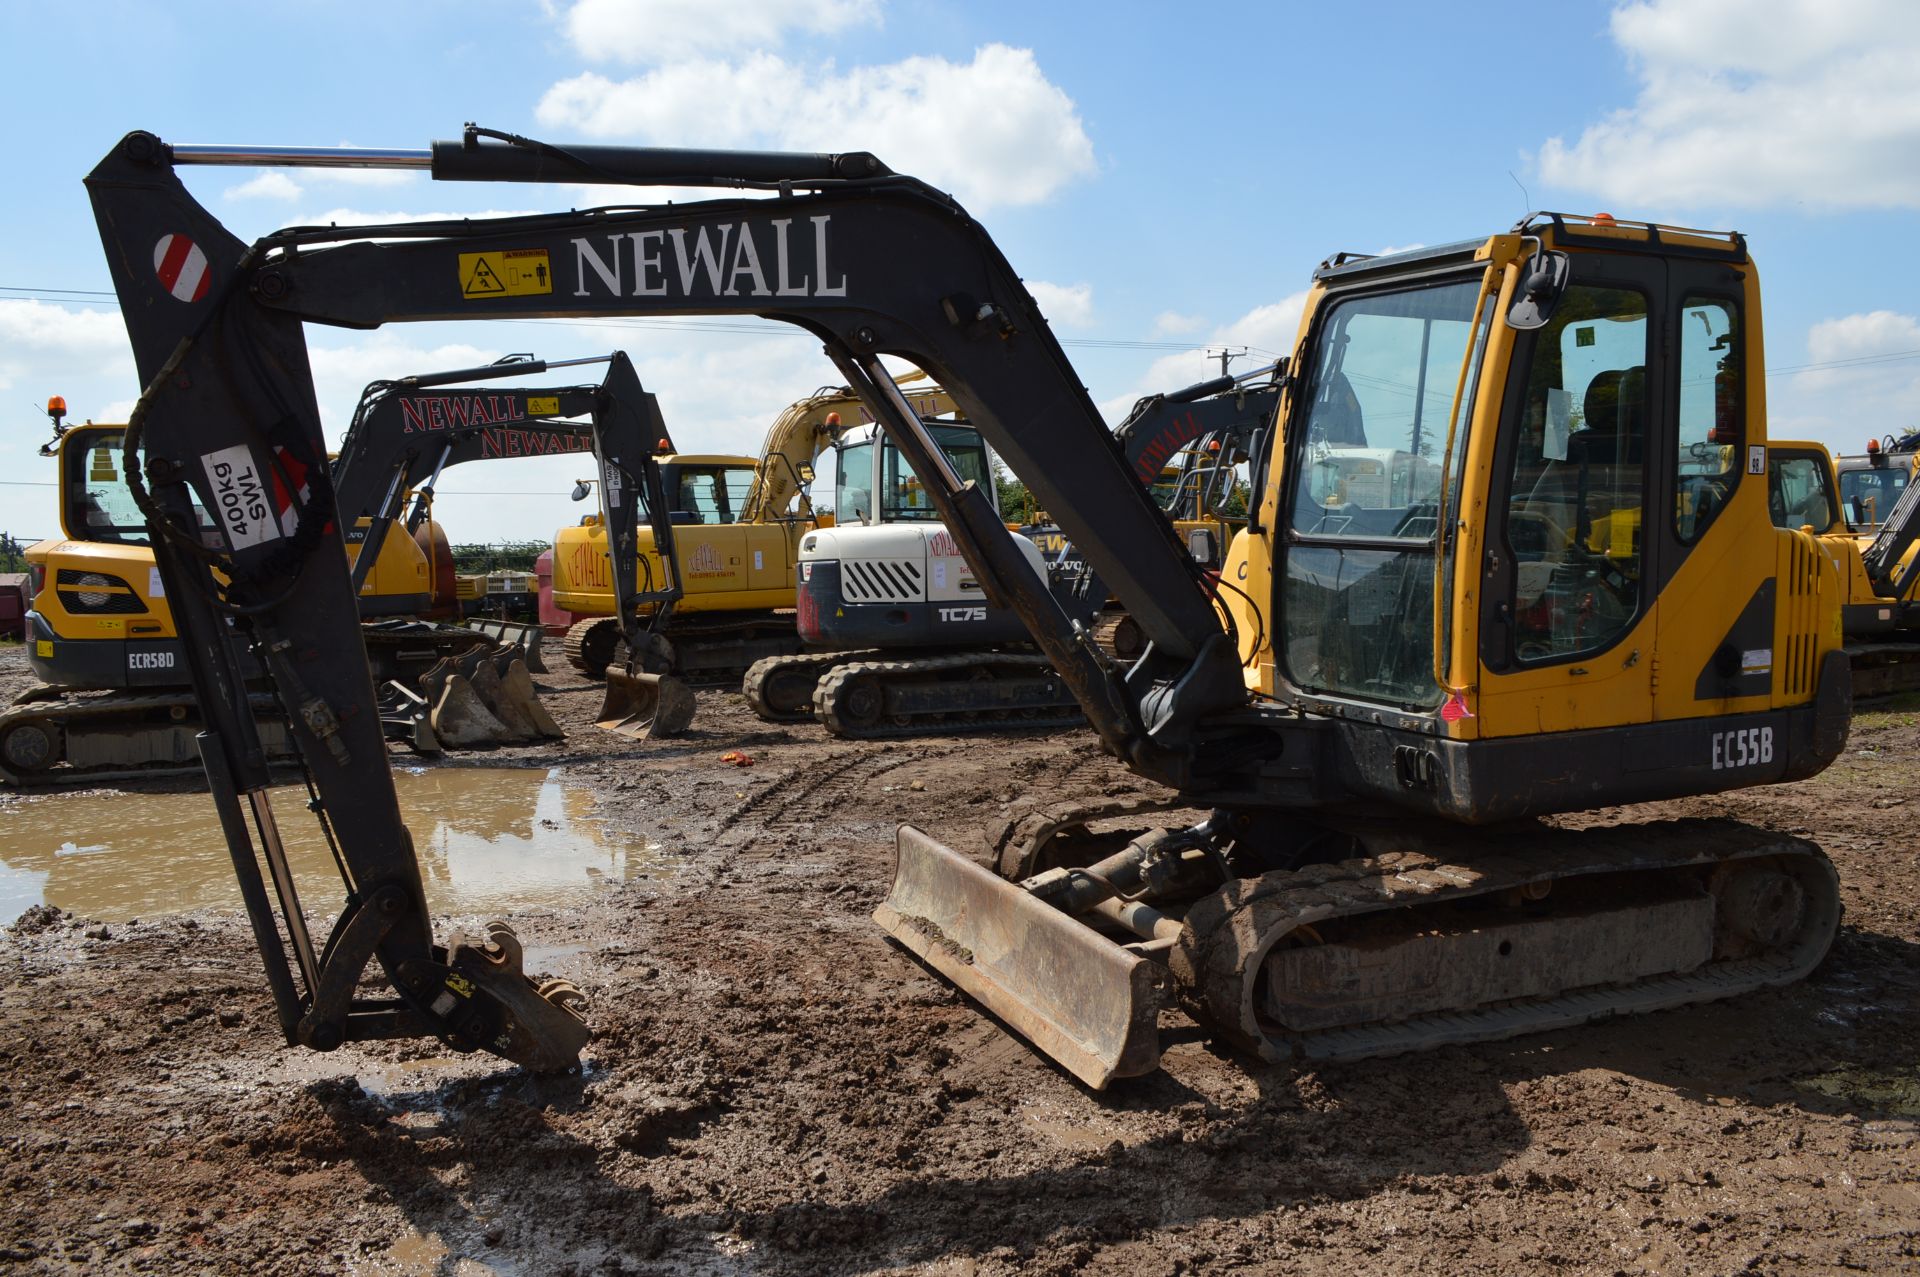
(829, 261)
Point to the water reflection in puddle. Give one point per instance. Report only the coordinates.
(490, 840)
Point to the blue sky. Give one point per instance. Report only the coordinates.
(1165, 177)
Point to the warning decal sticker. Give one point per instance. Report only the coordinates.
(181, 266)
(240, 497)
(538, 406)
(513, 272)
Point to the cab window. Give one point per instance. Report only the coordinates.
(713, 494)
(853, 483)
(1577, 486)
(1357, 590)
(903, 495)
(99, 506)
(1868, 495)
(1797, 493)
(1706, 467)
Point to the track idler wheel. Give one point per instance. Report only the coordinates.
(853, 707)
(31, 745)
(592, 646)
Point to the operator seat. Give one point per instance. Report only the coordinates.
(1615, 411)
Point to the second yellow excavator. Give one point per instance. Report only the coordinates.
(1859, 516)
(738, 522)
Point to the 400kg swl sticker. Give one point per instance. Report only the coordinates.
(240, 497)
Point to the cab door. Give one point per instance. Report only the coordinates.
(1569, 600)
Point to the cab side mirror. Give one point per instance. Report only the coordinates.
(1541, 289)
(1203, 547)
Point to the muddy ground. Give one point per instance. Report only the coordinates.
(774, 1087)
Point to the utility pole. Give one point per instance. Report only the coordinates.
(1226, 355)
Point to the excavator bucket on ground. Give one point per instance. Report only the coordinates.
(1079, 997)
(645, 706)
(457, 716)
(516, 687)
(523, 638)
(483, 698)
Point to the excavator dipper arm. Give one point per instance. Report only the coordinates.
(406, 433)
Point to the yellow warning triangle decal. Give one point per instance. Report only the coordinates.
(484, 280)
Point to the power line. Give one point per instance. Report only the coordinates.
(1091, 343)
(696, 325)
(65, 292)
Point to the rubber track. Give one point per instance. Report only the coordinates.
(110, 706)
(1015, 849)
(689, 638)
(828, 695)
(579, 635)
(1226, 933)
(1886, 667)
(753, 687)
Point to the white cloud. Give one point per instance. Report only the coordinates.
(1172, 324)
(1068, 305)
(274, 184)
(45, 328)
(46, 350)
(1876, 334)
(1866, 382)
(271, 185)
(655, 31)
(1751, 104)
(1266, 331)
(994, 130)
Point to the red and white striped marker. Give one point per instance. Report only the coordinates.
(181, 266)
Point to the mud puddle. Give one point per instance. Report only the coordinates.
(489, 839)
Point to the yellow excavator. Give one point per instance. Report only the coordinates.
(738, 524)
(1806, 488)
(113, 701)
(1485, 580)
(1872, 481)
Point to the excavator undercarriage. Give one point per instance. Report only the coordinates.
(1395, 941)
(440, 687)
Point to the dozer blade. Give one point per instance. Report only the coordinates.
(459, 718)
(645, 706)
(1076, 995)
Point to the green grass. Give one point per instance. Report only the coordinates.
(1901, 710)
